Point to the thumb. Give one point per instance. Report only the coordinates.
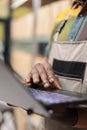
(56, 83)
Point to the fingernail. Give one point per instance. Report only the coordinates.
(51, 80)
(36, 81)
(46, 85)
(27, 80)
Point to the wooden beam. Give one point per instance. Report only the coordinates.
(44, 2)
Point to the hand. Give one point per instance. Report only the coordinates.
(43, 73)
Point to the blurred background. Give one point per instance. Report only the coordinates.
(25, 30)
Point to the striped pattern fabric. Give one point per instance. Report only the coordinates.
(69, 33)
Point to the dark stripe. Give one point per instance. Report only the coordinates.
(70, 69)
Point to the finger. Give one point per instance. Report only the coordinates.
(43, 75)
(49, 72)
(35, 76)
(56, 83)
(28, 78)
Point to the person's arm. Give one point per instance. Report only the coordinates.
(43, 73)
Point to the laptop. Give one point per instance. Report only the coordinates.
(41, 102)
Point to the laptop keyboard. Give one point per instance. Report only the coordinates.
(51, 97)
